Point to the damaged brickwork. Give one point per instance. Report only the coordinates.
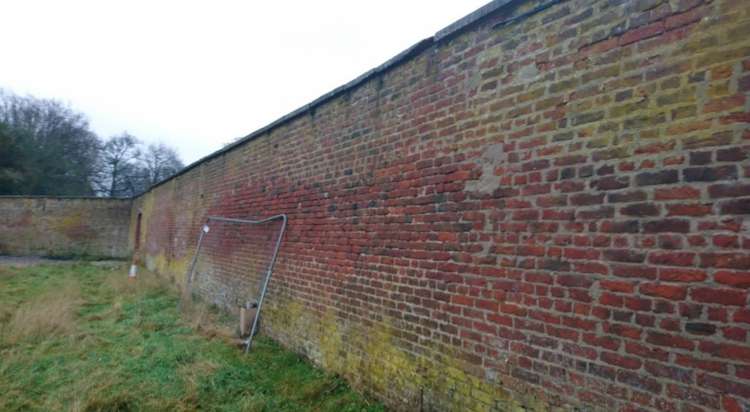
(543, 207)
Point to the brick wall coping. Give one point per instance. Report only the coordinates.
(449, 32)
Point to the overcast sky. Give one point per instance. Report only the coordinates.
(197, 74)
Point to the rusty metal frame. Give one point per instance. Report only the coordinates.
(269, 270)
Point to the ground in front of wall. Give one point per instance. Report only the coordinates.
(80, 337)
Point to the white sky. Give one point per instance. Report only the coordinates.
(197, 74)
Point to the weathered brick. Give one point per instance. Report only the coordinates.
(670, 372)
(672, 341)
(691, 209)
(624, 255)
(664, 291)
(667, 225)
(625, 197)
(735, 279)
(735, 207)
(729, 351)
(586, 199)
(623, 226)
(638, 381)
(671, 258)
(621, 361)
(700, 328)
(657, 178)
(677, 193)
(710, 174)
(642, 33)
(682, 275)
(716, 139)
(640, 209)
(724, 103)
(729, 190)
(722, 296)
(611, 183)
(725, 260)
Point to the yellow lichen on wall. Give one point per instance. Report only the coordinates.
(372, 360)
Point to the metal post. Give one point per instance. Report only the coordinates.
(265, 283)
(189, 284)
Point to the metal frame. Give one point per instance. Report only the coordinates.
(204, 231)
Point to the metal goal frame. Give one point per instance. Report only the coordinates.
(269, 270)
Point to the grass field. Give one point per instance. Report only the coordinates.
(80, 337)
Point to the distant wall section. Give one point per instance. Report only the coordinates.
(64, 227)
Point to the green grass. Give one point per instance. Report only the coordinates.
(80, 337)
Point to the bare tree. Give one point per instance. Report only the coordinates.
(46, 148)
(118, 166)
(159, 162)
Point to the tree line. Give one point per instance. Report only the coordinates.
(47, 148)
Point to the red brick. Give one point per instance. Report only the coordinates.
(722, 385)
(641, 33)
(725, 241)
(664, 291)
(635, 271)
(601, 341)
(724, 103)
(640, 209)
(617, 286)
(667, 225)
(681, 275)
(734, 333)
(626, 331)
(721, 296)
(742, 315)
(707, 365)
(621, 361)
(672, 341)
(694, 209)
(731, 404)
(624, 255)
(725, 350)
(672, 258)
(677, 193)
(725, 260)
(670, 372)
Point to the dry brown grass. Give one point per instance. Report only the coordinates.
(143, 283)
(52, 313)
(205, 320)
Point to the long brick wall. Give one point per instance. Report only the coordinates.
(64, 227)
(544, 206)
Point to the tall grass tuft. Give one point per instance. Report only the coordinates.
(50, 314)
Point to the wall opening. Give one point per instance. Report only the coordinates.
(138, 231)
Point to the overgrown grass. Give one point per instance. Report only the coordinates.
(82, 338)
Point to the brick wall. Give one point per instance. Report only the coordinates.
(64, 227)
(545, 208)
